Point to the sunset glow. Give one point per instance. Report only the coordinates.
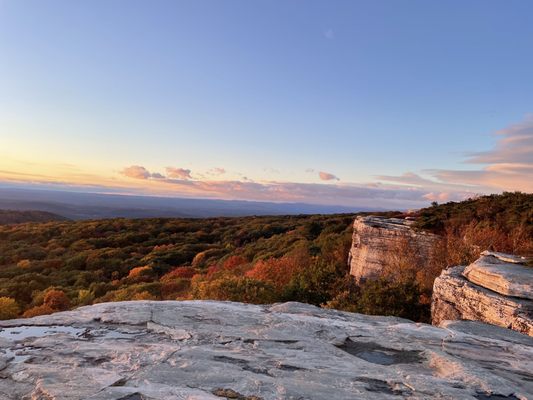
(90, 108)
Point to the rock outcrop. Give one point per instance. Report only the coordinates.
(202, 350)
(377, 239)
(497, 289)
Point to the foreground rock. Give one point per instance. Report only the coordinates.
(495, 289)
(377, 239)
(213, 350)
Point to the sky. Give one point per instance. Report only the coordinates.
(379, 102)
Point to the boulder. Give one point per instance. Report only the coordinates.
(502, 273)
(495, 289)
(207, 350)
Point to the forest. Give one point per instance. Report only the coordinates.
(59, 265)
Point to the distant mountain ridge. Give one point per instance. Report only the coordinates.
(80, 206)
(17, 217)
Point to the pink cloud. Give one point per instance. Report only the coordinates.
(178, 173)
(326, 176)
(506, 167)
(136, 172)
(442, 197)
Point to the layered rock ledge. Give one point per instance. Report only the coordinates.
(377, 239)
(202, 350)
(497, 289)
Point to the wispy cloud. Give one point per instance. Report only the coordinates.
(217, 171)
(508, 166)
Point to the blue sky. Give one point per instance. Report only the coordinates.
(253, 99)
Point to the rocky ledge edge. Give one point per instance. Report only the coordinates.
(207, 350)
(496, 289)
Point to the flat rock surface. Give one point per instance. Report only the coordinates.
(204, 350)
(502, 273)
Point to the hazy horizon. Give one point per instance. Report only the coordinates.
(345, 103)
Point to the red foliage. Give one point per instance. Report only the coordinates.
(38, 310)
(57, 300)
(180, 272)
(138, 272)
(172, 289)
(233, 262)
(277, 271)
(212, 270)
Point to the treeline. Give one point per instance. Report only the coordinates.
(55, 266)
(18, 217)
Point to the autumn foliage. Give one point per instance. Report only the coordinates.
(279, 272)
(8, 308)
(55, 266)
(57, 300)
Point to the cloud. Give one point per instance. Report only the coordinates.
(136, 172)
(326, 176)
(140, 172)
(218, 171)
(442, 197)
(515, 146)
(508, 166)
(386, 196)
(178, 173)
(370, 195)
(157, 175)
(408, 178)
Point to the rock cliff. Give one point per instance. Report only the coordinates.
(202, 350)
(377, 239)
(497, 289)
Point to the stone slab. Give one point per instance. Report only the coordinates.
(207, 350)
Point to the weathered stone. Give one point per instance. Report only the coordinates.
(502, 273)
(203, 350)
(455, 297)
(377, 239)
